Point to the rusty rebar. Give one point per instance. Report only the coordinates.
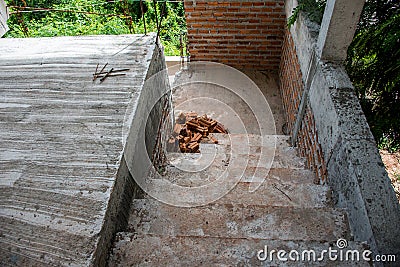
(161, 17)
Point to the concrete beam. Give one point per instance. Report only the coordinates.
(3, 18)
(337, 29)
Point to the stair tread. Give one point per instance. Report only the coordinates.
(238, 221)
(271, 192)
(216, 158)
(156, 250)
(245, 174)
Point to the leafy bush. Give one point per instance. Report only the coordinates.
(314, 10)
(71, 22)
(373, 64)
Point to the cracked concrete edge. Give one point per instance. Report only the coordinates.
(125, 187)
(355, 170)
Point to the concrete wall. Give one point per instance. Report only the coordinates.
(144, 119)
(240, 33)
(355, 170)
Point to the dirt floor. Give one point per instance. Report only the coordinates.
(392, 164)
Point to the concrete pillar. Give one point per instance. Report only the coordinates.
(3, 18)
(337, 28)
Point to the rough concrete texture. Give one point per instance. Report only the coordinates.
(146, 120)
(287, 175)
(287, 211)
(155, 250)
(238, 221)
(355, 170)
(61, 145)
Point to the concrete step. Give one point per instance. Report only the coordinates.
(251, 163)
(155, 250)
(190, 177)
(271, 192)
(252, 142)
(242, 142)
(279, 195)
(256, 150)
(215, 155)
(238, 221)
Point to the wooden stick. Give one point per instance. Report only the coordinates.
(112, 75)
(105, 76)
(104, 67)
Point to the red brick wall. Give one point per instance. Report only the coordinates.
(291, 86)
(240, 33)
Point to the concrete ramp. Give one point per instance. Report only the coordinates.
(61, 143)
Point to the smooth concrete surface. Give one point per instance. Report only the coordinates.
(337, 28)
(61, 144)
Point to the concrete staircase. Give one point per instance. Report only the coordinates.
(287, 212)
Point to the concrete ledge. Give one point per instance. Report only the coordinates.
(334, 104)
(145, 120)
(172, 61)
(355, 170)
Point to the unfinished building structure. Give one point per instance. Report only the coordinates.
(76, 150)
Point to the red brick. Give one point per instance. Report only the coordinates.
(244, 9)
(227, 29)
(258, 4)
(212, 3)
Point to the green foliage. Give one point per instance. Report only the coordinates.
(71, 22)
(373, 64)
(314, 10)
